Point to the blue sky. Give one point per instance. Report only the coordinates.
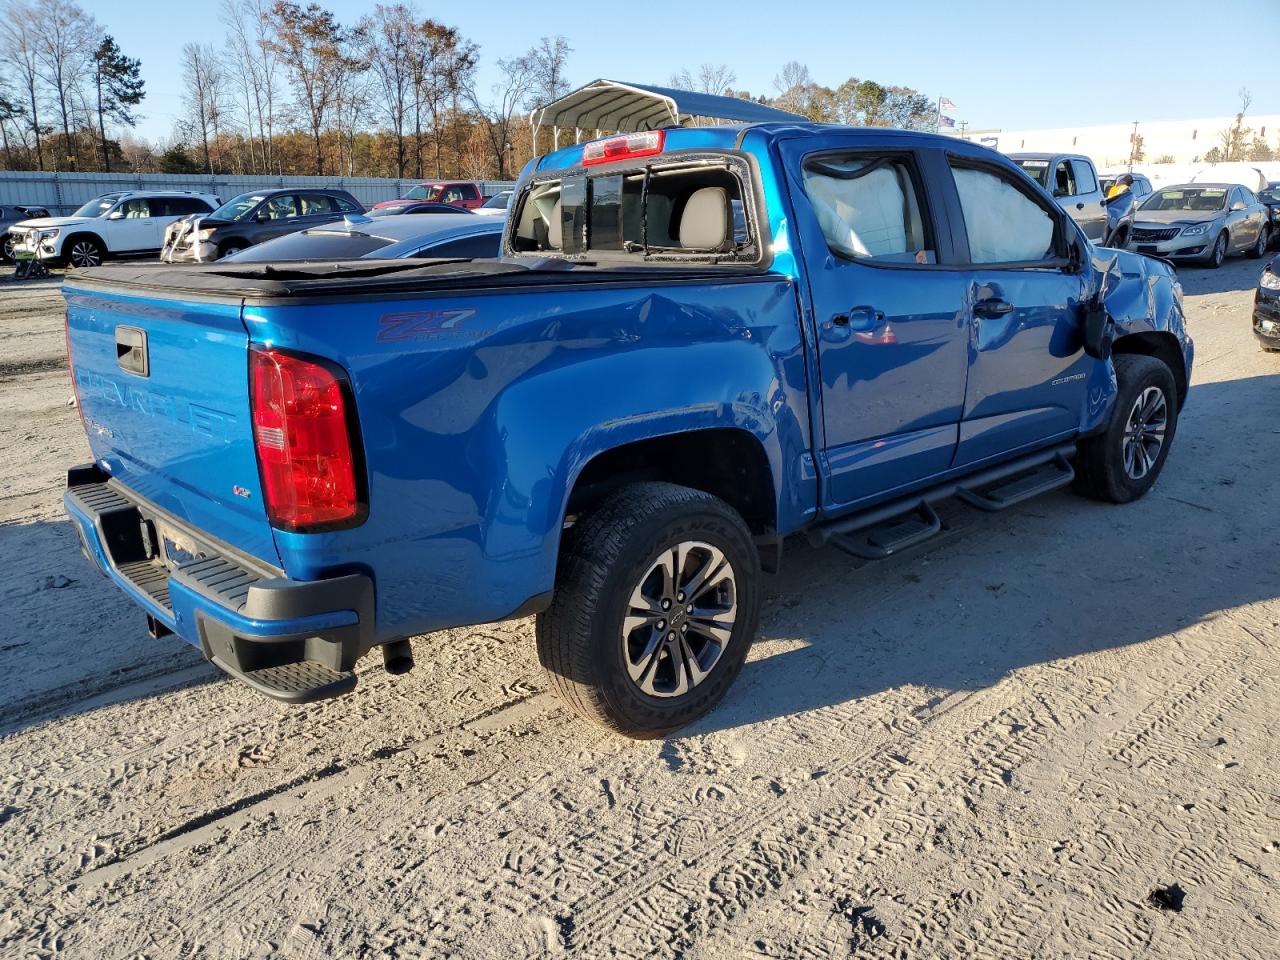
(1002, 64)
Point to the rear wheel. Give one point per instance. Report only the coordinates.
(654, 610)
(84, 252)
(1264, 240)
(1122, 463)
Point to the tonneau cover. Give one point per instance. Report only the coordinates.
(265, 281)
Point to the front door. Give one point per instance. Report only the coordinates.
(892, 334)
(136, 229)
(1028, 375)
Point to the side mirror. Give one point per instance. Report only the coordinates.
(115, 215)
(1238, 206)
(1058, 192)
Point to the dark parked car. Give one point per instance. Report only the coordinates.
(414, 206)
(391, 238)
(11, 215)
(1271, 197)
(1266, 307)
(251, 218)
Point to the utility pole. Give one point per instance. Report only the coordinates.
(1133, 144)
(963, 125)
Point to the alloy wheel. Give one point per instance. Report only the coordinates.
(679, 619)
(85, 253)
(1144, 432)
(1220, 250)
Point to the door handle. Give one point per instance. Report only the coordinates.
(992, 307)
(861, 319)
(1080, 206)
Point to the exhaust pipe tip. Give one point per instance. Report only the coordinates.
(397, 657)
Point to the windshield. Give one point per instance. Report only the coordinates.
(238, 207)
(1194, 199)
(98, 207)
(423, 191)
(499, 202)
(1037, 170)
(1271, 194)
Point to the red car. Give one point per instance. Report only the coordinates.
(456, 193)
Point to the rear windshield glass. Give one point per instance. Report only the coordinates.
(1187, 198)
(313, 245)
(669, 212)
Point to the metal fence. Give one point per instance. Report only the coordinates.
(63, 193)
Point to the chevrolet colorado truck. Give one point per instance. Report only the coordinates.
(696, 342)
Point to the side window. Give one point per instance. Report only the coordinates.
(1085, 182)
(280, 208)
(472, 248)
(869, 208)
(1247, 196)
(1004, 224)
(1064, 180)
(314, 204)
(344, 205)
(451, 195)
(137, 209)
(470, 192)
(181, 206)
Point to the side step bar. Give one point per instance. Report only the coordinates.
(885, 530)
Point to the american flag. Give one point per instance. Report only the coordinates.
(945, 104)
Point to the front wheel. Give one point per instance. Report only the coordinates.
(1122, 463)
(85, 252)
(1219, 251)
(656, 604)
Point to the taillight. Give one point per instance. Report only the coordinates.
(71, 369)
(304, 433)
(643, 144)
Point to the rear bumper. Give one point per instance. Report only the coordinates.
(292, 640)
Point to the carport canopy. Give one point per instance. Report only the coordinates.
(628, 107)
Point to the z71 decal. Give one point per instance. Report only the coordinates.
(424, 324)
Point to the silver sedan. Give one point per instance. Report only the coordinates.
(1207, 222)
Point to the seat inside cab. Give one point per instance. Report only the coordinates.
(691, 210)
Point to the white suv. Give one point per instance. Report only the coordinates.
(113, 225)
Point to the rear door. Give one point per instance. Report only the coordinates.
(1028, 372)
(888, 308)
(277, 216)
(164, 390)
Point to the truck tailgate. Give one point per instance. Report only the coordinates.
(164, 390)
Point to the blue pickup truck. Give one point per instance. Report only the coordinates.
(697, 342)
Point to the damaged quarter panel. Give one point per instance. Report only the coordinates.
(477, 421)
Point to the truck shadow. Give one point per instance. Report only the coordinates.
(1051, 579)
(1237, 274)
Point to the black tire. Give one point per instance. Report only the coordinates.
(605, 557)
(83, 251)
(1101, 469)
(1119, 239)
(6, 247)
(227, 249)
(1218, 252)
(1259, 249)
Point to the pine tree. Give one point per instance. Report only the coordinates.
(120, 89)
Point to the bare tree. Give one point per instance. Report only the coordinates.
(18, 32)
(66, 38)
(795, 88)
(1236, 138)
(498, 113)
(310, 45)
(715, 78)
(205, 83)
(547, 82)
(389, 37)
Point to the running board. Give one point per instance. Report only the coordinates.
(890, 536)
(895, 526)
(1004, 494)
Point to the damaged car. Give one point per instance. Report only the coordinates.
(250, 219)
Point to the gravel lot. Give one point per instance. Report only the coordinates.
(998, 745)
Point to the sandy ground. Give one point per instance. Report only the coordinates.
(997, 746)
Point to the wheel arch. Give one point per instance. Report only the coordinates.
(1164, 347)
(69, 241)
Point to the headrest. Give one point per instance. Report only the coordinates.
(704, 225)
